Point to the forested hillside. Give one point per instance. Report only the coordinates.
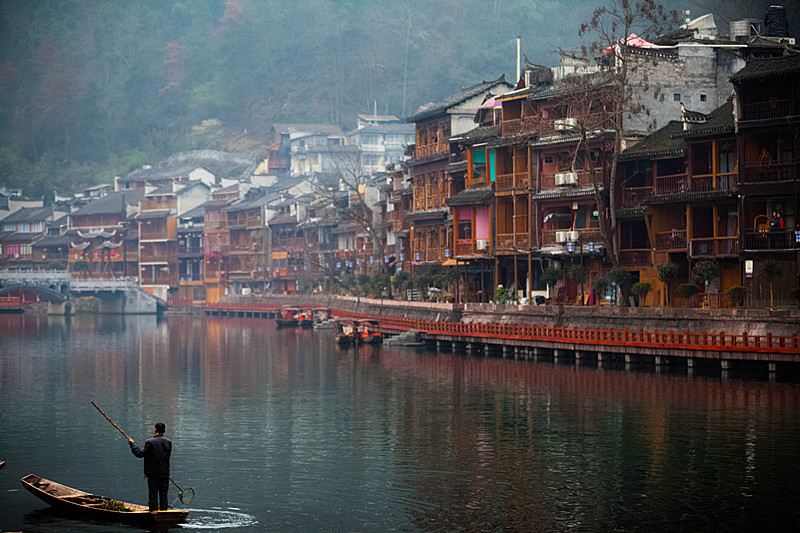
(94, 88)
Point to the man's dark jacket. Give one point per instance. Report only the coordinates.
(156, 456)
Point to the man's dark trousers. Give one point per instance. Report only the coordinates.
(157, 490)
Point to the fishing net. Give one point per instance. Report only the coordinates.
(186, 496)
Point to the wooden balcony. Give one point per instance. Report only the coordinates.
(669, 184)
(635, 195)
(671, 240)
(512, 127)
(770, 109)
(513, 241)
(770, 172)
(709, 182)
(635, 257)
(504, 182)
(762, 239)
(714, 247)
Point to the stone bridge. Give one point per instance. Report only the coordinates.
(60, 289)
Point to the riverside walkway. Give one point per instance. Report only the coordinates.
(531, 341)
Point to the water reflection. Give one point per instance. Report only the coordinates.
(286, 428)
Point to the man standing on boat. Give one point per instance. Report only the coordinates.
(156, 453)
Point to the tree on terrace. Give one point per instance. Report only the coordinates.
(605, 100)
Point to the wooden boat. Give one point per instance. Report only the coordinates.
(305, 318)
(368, 331)
(287, 317)
(98, 507)
(345, 331)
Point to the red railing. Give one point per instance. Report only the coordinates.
(481, 332)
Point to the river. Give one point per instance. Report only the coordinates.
(282, 430)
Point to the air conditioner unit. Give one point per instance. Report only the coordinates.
(565, 124)
(561, 236)
(482, 244)
(564, 179)
(572, 236)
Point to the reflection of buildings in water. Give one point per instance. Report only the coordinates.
(563, 440)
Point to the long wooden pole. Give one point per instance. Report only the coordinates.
(127, 437)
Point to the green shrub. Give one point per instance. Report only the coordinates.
(641, 290)
(687, 290)
(736, 293)
(795, 294)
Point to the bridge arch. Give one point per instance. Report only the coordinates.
(50, 294)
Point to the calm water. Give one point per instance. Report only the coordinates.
(280, 430)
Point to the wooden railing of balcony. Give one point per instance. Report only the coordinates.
(512, 127)
(156, 234)
(770, 171)
(465, 247)
(671, 240)
(669, 184)
(769, 109)
(714, 247)
(761, 239)
(513, 241)
(635, 195)
(517, 180)
(709, 182)
(635, 257)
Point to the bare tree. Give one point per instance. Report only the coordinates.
(624, 78)
(363, 207)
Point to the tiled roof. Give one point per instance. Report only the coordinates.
(773, 67)
(433, 109)
(471, 196)
(659, 144)
(113, 203)
(479, 134)
(60, 240)
(719, 120)
(29, 214)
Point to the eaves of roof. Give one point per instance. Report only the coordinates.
(441, 107)
(471, 196)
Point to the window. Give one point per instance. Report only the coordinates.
(464, 230)
(548, 160)
(676, 97)
(703, 98)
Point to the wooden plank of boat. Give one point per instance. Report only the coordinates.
(89, 505)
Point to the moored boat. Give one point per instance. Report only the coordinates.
(345, 331)
(288, 317)
(88, 505)
(305, 318)
(368, 331)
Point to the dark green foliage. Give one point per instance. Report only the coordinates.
(552, 276)
(667, 272)
(737, 294)
(641, 290)
(795, 294)
(705, 271)
(600, 286)
(687, 290)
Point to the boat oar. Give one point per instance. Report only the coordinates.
(186, 496)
